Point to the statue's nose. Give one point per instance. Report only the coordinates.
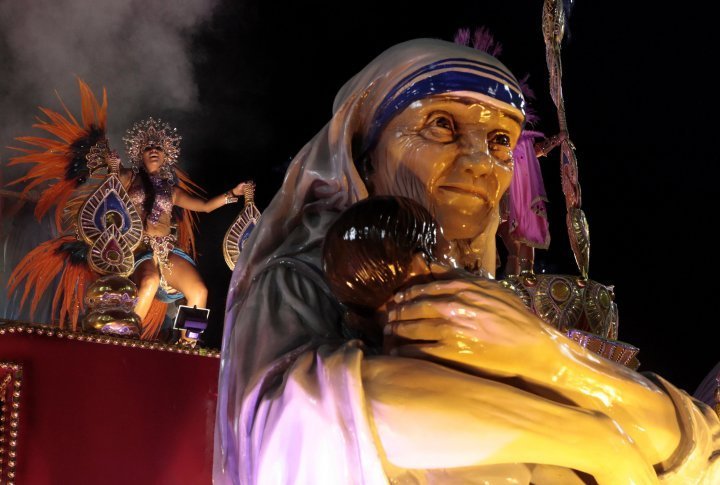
(475, 159)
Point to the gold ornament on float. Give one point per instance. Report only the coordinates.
(580, 238)
(113, 321)
(568, 302)
(11, 376)
(109, 222)
(620, 352)
(111, 290)
(240, 230)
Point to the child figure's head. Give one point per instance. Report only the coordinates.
(378, 246)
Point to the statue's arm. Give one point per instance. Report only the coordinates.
(428, 416)
(481, 328)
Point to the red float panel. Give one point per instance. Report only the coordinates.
(93, 412)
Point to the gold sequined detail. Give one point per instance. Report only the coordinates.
(560, 291)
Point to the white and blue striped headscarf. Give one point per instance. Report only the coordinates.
(485, 78)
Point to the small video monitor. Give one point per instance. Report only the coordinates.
(192, 319)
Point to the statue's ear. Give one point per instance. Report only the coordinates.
(363, 163)
(366, 169)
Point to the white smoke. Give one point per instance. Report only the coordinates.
(138, 49)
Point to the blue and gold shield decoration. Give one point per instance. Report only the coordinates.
(110, 224)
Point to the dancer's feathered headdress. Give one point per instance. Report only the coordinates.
(152, 132)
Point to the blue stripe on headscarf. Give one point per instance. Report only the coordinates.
(463, 63)
(452, 63)
(440, 83)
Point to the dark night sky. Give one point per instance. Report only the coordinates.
(639, 112)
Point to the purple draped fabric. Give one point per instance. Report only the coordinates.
(527, 215)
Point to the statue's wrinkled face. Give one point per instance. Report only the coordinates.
(453, 155)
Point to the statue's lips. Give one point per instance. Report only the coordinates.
(466, 190)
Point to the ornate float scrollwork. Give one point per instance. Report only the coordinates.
(240, 230)
(568, 302)
(558, 300)
(579, 238)
(602, 314)
(109, 222)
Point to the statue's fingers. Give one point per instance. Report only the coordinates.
(447, 307)
(456, 302)
(429, 329)
(434, 288)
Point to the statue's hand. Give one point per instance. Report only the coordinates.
(470, 322)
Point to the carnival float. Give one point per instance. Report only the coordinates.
(355, 297)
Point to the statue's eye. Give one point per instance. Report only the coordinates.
(441, 121)
(500, 143)
(502, 139)
(439, 127)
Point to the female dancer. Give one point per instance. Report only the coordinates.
(161, 267)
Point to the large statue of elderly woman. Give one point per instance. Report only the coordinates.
(475, 387)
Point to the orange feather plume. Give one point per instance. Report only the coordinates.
(188, 225)
(52, 157)
(153, 320)
(40, 267)
(73, 283)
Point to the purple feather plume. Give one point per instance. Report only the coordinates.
(462, 37)
(531, 116)
(482, 40)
